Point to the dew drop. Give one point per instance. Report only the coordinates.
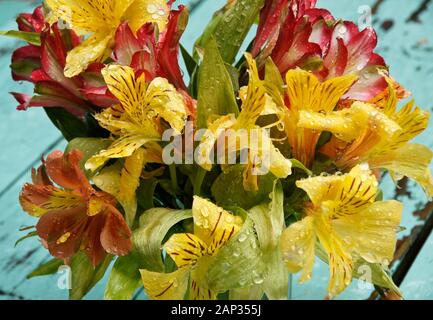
(242, 237)
(152, 8)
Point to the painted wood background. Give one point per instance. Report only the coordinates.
(405, 29)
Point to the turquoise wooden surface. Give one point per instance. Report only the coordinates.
(405, 30)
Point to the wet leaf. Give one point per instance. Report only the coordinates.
(124, 278)
(30, 37)
(154, 226)
(84, 275)
(46, 268)
(238, 264)
(215, 90)
(231, 29)
(228, 189)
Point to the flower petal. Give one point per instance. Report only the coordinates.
(121, 148)
(213, 225)
(92, 50)
(297, 245)
(65, 170)
(62, 230)
(410, 160)
(115, 235)
(372, 232)
(165, 286)
(306, 93)
(36, 200)
(129, 182)
(141, 12)
(185, 249)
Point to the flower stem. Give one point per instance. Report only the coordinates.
(198, 181)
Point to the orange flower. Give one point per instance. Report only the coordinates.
(73, 215)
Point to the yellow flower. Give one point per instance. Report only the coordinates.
(242, 133)
(192, 253)
(136, 121)
(365, 133)
(347, 222)
(99, 20)
(306, 93)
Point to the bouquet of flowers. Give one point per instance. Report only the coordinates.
(223, 187)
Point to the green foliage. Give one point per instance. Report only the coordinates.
(84, 276)
(230, 27)
(228, 189)
(215, 89)
(30, 37)
(47, 268)
(124, 278)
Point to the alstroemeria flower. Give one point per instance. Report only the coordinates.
(136, 121)
(72, 215)
(242, 133)
(43, 66)
(99, 20)
(192, 253)
(155, 54)
(347, 222)
(364, 133)
(306, 93)
(296, 34)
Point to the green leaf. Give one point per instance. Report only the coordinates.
(28, 235)
(89, 147)
(46, 268)
(190, 63)
(238, 263)
(269, 224)
(30, 37)
(254, 292)
(84, 275)
(269, 218)
(124, 278)
(228, 189)
(298, 164)
(215, 89)
(233, 27)
(69, 125)
(154, 226)
(145, 193)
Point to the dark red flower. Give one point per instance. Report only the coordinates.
(43, 65)
(72, 215)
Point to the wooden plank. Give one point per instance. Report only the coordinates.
(25, 135)
(404, 42)
(418, 283)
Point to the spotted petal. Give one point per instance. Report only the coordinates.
(213, 225)
(165, 286)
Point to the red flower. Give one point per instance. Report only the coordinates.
(73, 215)
(43, 65)
(296, 34)
(156, 56)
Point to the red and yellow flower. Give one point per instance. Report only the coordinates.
(99, 20)
(73, 216)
